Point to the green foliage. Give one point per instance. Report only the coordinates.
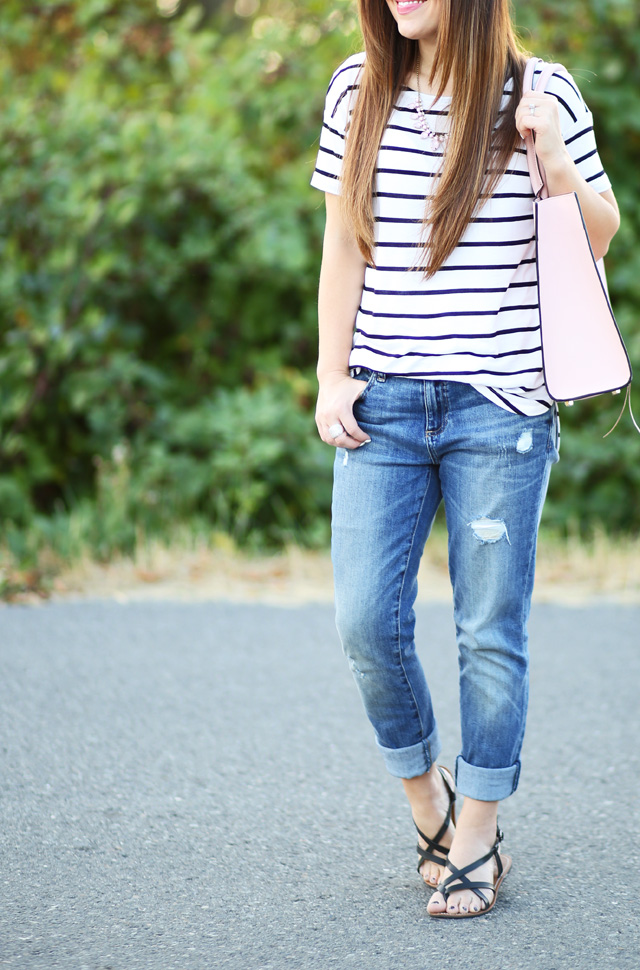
(160, 253)
(232, 461)
(160, 249)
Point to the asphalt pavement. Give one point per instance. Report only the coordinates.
(187, 786)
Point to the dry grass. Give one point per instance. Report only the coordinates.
(569, 571)
(575, 571)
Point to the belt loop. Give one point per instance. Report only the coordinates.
(381, 377)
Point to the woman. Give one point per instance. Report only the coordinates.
(431, 388)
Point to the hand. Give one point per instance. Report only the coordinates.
(335, 406)
(544, 122)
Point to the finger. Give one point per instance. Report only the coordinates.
(347, 421)
(526, 130)
(536, 106)
(353, 429)
(346, 441)
(527, 122)
(351, 441)
(351, 437)
(329, 429)
(332, 439)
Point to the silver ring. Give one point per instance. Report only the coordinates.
(532, 109)
(336, 430)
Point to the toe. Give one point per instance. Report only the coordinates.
(467, 901)
(431, 873)
(476, 905)
(436, 903)
(453, 904)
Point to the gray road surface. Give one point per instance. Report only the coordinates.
(194, 786)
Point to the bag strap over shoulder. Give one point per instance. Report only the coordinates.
(536, 168)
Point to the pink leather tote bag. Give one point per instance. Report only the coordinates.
(582, 350)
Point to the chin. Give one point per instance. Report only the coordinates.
(422, 27)
(412, 32)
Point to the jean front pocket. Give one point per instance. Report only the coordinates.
(368, 378)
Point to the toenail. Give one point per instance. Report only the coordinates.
(464, 909)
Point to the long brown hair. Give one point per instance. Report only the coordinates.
(477, 48)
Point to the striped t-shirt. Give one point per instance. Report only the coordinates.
(476, 319)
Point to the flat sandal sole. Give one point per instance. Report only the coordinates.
(506, 862)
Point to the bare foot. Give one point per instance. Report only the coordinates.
(475, 835)
(429, 799)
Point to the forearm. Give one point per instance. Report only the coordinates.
(539, 114)
(340, 291)
(599, 210)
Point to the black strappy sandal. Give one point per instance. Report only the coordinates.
(459, 880)
(433, 845)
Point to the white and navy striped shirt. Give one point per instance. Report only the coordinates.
(476, 319)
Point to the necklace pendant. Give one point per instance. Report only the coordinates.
(438, 139)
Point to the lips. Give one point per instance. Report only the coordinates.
(408, 6)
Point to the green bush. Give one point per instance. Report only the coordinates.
(246, 460)
(160, 250)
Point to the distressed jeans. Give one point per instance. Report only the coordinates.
(433, 441)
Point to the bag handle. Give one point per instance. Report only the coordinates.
(536, 168)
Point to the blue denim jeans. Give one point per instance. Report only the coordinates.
(433, 441)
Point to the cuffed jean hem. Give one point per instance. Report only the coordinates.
(486, 784)
(415, 760)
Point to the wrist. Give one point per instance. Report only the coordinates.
(560, 169)
(331, 376)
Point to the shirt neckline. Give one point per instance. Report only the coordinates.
(444, 97)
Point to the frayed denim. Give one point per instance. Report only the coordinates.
(433, 441)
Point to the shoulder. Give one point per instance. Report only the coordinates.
(347, 72)
(344, 80)
(563, 86)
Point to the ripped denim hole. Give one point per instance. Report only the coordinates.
(488, 530)
(525, 442)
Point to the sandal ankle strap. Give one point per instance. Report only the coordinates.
(433, 844)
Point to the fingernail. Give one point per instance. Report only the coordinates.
(367, 442)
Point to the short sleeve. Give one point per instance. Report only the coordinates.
(576, 122)
(337, 110)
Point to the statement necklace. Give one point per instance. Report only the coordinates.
(438, 138)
